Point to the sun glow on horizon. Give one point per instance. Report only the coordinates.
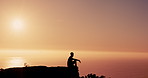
(16, 62)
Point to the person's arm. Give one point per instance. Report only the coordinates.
(77, 60)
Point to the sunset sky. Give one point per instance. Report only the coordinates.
(98, 25)
(109, 36)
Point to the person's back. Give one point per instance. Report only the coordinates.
(70, 62)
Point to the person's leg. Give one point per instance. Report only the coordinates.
(75, 63)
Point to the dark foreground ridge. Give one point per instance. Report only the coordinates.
(39, 72)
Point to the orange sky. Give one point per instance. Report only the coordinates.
(75, 25)
(109, 36)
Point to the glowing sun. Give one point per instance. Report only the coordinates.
(17, 24)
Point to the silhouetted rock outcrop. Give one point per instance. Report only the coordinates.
(39, 72)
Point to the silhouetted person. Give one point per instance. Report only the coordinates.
(72, 65)
(72, 62)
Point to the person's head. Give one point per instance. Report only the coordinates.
(72, 54)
